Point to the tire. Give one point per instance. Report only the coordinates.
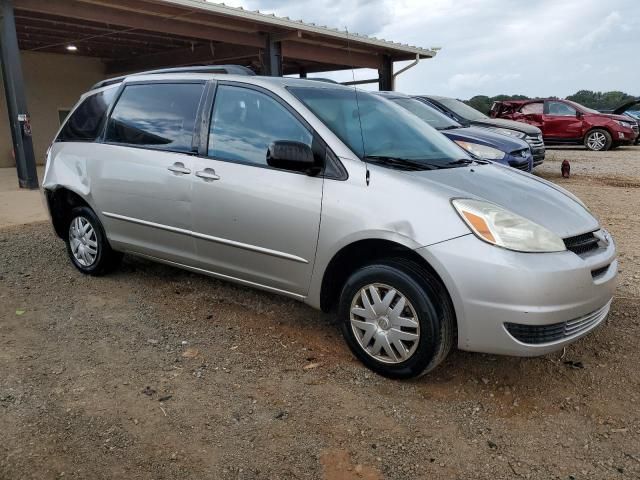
(427, 303)
(598, 140)
(87, 244)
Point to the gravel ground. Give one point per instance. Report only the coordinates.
(154, 372)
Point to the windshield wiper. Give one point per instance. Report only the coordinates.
(449, 127)
(467, 161)
(403, 163)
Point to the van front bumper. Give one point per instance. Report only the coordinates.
(523, 304)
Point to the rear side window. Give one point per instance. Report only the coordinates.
(85, 123)
(157, 115)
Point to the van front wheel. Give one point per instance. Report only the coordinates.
(397, 318)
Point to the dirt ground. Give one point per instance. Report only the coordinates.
(156, 373)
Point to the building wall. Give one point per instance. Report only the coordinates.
(52, 82)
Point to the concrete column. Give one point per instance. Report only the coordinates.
(16, 99)
(272, 60)
(385, 74)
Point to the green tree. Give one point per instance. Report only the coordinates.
(588, 98)
(600, 100)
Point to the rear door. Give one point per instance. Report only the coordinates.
(143, 173)
(532, 113)
(252, 222)
(561, 121)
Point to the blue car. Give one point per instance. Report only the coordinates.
(480, 142)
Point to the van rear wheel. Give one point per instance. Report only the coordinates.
(397, 318)
(87, 244)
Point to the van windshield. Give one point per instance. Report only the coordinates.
(389, 134)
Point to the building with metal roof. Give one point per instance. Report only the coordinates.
(60, 41)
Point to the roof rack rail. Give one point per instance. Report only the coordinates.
(226, 69)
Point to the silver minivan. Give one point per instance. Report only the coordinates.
(335, 197)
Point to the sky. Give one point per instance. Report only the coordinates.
(529, 47)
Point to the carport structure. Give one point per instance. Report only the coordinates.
(136, 35)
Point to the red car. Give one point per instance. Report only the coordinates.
(566, 122)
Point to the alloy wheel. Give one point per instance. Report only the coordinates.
(384, 323)
(596, 141)
(83, 241)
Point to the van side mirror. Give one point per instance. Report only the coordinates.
(291, 155)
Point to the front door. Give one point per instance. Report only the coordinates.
(143, 170)
(252, 222)
(561, 121)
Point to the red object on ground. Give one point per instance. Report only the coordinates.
(565, 168)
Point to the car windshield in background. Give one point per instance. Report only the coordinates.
(389, 135)
(462, 109)
(434, 118)
(633, 113)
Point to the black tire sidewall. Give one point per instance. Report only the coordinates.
(103, 245)
(607, 135)
(422, 299)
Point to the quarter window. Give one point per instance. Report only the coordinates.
(85, 123)
(156, 115)
(560, 109)
(244, 122)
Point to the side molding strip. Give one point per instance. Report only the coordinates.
(223, 241)
(220, 276)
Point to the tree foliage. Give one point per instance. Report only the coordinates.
(596, 100)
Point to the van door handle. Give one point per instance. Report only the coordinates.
(208, 174)
(179, 167)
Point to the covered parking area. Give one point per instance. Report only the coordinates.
(52, 51)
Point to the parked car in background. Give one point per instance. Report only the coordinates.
(567, 122)
(334, 197)
(479, 142)
(629, 109)
(469, 116)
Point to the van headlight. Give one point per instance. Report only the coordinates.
(498, 226)
(482, 151)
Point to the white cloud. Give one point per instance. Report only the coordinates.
(477, 79)
(533, 47)
(593, 37)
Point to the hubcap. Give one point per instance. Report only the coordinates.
(597, 141)
(385, 323)
(83, 241)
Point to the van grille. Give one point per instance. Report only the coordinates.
(538, 334)
(581, 244)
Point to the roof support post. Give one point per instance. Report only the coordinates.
(385, 74)
(272, 59)
(16, 99)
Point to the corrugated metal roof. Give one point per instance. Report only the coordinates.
(286, 22)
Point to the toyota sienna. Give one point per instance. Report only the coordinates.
(335, 197)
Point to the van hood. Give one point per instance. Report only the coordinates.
(510, 124)
(526, 195)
